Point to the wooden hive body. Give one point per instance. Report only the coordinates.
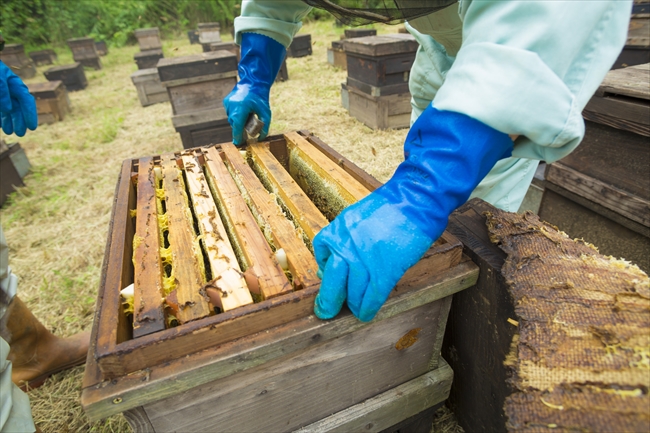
(73, 76)
(43, 57)
(637, 46)
(196, 86)
(336, 55)
(147, 84)
(209, 33)
(52, 102)
(604, 182)
(85, 52)
(148, 59)
(10, 176)
(148, 39)
(102, 48)
(300, 46)
(378, 76)
(14, 56)
(278, 345)
(225, 46)
(193, 36)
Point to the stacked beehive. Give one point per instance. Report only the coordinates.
(52, 102)
(601, 191)
(102, 48)
(376, 91)
(300, 46)
(14, 56)
(209, 33)
(196, 86)
(85, 52)
(43, 57)
(336, 53)
(150, 48)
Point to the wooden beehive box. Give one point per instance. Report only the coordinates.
(147, 84)
(381, 60)
(263, 352)
(226, 46)
(101, 47)
(336, 55)
(148, 59)
(52, 102)
(601, 191)
(73, 76)
(358, 33)
(14, 56)
(196, 86)
(85, 52)
(637, 46)
(193, 36)
(43, 57)
(209, 33)
(10, 178)
(300, 46)
(148, 39)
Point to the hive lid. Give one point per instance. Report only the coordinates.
(13, 49)
(632, 82)
(69, 67)
(196, 65)
(148, 53)
(147, 31)
(383, 45)
(45, 90)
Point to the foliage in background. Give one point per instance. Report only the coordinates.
(37, 23)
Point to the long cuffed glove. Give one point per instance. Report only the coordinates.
(17, 105)
(364, 252)
(261, 59)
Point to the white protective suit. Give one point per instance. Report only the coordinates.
(525, 68)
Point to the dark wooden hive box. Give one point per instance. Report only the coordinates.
(336, 55)
(271, 355)
(147, 84)
(193, 36)
(300, 46)
(148, 39)
(43, 57)
(381, 60)
(102, 48)
(52, 102)
(359, 33)
(84, 51)
(73, 76)
(225, 46)
(14, 56)
(148, 59)
(601, 191)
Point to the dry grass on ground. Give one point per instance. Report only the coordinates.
(56, 225)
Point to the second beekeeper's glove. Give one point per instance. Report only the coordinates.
(17, 105)
(261, 59)
(364, 252)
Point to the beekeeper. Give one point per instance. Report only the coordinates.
(485, 71)
(29, 352)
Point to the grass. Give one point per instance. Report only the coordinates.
(56, 225)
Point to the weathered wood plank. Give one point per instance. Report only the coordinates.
(229, 286)
(223, 360)
(263, 273)
(288, 393)
(190, 276)
(148, 314)
(632, 81)
(329, 186)
(628, 205)
(390, 407)
(277, 229)
(292, 198)
(138, 420)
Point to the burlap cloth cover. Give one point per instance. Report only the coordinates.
(581, 360)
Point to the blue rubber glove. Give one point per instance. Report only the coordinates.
(261, 59)
(364, 252)
(17, 105)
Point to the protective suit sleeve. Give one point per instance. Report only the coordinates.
(277, 19)
(528, 68)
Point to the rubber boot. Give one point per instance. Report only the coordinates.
(35, 352)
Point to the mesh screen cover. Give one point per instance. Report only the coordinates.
(360, 12)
